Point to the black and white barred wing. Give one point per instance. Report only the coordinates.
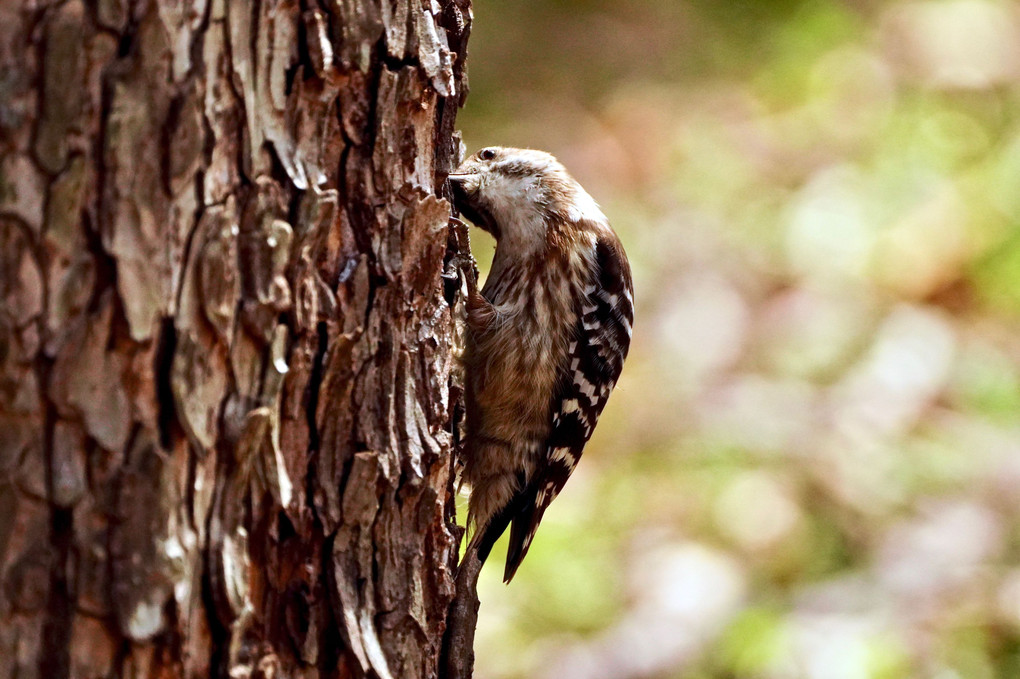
(602, 338)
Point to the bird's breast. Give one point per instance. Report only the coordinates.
(514, 363)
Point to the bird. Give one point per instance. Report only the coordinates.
(547, 336)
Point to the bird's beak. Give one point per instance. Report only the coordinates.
(465, 199)
(457, 181)
(461, 185)
(457, 188)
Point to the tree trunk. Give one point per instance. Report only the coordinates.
(226, 368)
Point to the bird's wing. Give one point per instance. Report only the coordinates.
(596, 353)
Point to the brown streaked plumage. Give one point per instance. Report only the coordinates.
(547, 337)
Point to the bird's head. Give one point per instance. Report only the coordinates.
(517, 195)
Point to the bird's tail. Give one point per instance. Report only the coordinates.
(522, 530)
(522, 514)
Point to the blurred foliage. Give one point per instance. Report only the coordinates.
(811, 466)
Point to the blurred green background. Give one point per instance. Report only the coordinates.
(811, 466)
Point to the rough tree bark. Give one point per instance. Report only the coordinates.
(226, 369)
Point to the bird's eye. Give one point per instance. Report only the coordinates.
(487, 154)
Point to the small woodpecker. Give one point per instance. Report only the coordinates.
(546, 338)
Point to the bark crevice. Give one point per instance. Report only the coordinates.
(59, 609)
(162, 368)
